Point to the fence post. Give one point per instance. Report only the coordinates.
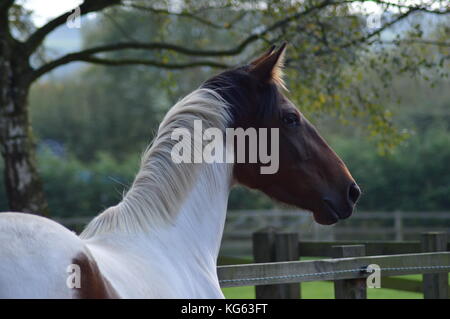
(269, 245)
(286, 249)
(398, 225)
(435, 286)
(263, 251)
(349, 288)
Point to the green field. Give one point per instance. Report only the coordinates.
(324, 289)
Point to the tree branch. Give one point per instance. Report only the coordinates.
(5, 5)
(88, 54)
(183, 14)
(36, 39)
(416, 41)
(370, 35)
(382, 28)
(121, 62)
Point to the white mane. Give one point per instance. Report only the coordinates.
(161, 185)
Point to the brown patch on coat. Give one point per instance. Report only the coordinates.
(93, 284)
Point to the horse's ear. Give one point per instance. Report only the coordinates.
(263, 56)
(270, 67)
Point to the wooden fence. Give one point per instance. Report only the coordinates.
(277, 271)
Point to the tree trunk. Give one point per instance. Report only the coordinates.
(23, 184)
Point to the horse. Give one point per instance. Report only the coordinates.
(162, 239)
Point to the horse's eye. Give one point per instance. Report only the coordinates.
(291, 119)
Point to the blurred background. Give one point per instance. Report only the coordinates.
(371, 75)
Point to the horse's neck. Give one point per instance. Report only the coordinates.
(187, 246)
(198, 226)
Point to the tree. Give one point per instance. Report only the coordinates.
(338, 37)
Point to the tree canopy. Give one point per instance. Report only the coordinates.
(341, 61)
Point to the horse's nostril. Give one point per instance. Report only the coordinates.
(353, 193)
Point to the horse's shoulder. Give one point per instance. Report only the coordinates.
(36, 253)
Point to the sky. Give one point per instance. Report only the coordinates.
(46, 9)
(43, 10)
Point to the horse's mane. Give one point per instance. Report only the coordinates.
(161, 185)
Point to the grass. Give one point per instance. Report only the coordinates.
(323, 289)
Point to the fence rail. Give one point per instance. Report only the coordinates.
(325, 248)
(278, 272)
(331, 269)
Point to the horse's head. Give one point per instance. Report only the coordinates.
(310, 174)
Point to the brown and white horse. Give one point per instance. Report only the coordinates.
(162, 240)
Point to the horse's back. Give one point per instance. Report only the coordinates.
(35, 254)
